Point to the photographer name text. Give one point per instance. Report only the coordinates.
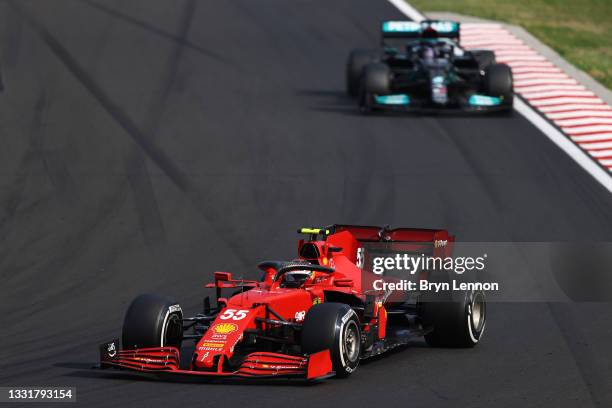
(425, 285)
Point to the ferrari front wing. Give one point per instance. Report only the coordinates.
(166, 360)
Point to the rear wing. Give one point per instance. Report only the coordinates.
(385, 234)
(360, 242)
(352, 240)
(423, 29)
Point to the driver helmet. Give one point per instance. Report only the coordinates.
(428, 53)
(297, 278)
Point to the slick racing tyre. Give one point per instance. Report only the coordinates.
(456, 323)
(498, 83)
(357, 60)
(375, 80)
(484, 58)
(333, 326)
(152, 321)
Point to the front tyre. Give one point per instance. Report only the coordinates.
(375, 80)
(335, 327)
(357, 60)
(455, 323)
(152, 321)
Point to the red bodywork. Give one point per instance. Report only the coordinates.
(265, 306)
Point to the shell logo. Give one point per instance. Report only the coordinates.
(225, 328)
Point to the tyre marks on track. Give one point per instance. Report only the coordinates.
(179, 39)
(151, 223)
(16, 192)
(201, 201)
(114, 110)
(587, 361)
(12, 45)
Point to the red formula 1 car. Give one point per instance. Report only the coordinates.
(312, 317)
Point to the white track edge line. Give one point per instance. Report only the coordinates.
(408, 10)
(558, 138)
(564, 144)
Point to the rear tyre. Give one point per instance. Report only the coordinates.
(152, 321)
(333, 326)
(455, 323)
(357, 60)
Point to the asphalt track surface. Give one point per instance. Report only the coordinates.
(146, 144)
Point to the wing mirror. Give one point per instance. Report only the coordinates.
(223, 276)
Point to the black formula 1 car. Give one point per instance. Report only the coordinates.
(422, 67)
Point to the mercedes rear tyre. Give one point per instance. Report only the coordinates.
(456, 323)
(152, 321)
(333, 327)
(357, 60)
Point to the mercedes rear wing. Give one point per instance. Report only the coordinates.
(423, 29)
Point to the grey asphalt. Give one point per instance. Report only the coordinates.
(146, 144)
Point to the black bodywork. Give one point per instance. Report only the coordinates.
(427, 70)
(414, 73)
